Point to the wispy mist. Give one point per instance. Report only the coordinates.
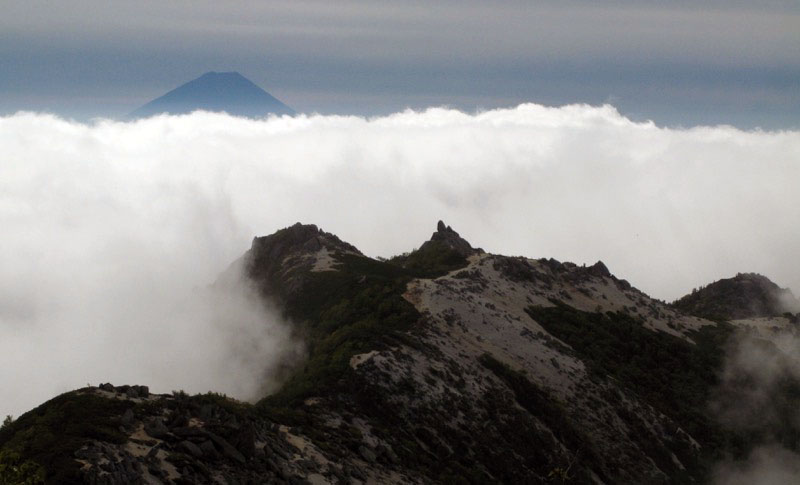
(789, 302)
(757, 368)
(110, 229)
(766, 465)
(762, 368)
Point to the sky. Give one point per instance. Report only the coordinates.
(113, 232)
(679, 63)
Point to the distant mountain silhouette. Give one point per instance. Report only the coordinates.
(215, 91)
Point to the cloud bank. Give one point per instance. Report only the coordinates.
(110, 229)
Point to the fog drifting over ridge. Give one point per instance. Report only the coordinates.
(111, 228)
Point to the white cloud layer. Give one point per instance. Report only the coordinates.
(109, 227)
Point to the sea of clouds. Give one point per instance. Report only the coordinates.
(113, 231)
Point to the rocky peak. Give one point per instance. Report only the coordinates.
(297, 239)
(599, 269)
(746, 295)
(284, 257)
(445, 234)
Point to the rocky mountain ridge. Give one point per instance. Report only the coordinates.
(444, 365)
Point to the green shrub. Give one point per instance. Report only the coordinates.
(538, 403)
(433, 259)
(49, 434)
(342, 313)
(672, 375)
(16, 471)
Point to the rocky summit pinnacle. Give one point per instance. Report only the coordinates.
(445, 234)
(215, 91)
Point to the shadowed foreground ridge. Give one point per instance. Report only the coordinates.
(443, 365)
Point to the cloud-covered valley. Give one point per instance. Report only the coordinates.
(112, 232)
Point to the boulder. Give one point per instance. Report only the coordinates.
(209, 450)
(367, 454)
(227, 449)
(156, 428)
(190, 449)
(127, 419)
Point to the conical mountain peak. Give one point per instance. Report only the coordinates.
(229, 92)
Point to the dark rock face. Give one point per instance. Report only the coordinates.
(445, 234)
(747, 295)
(599, 269)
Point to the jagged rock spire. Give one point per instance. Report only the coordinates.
(445, 234)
